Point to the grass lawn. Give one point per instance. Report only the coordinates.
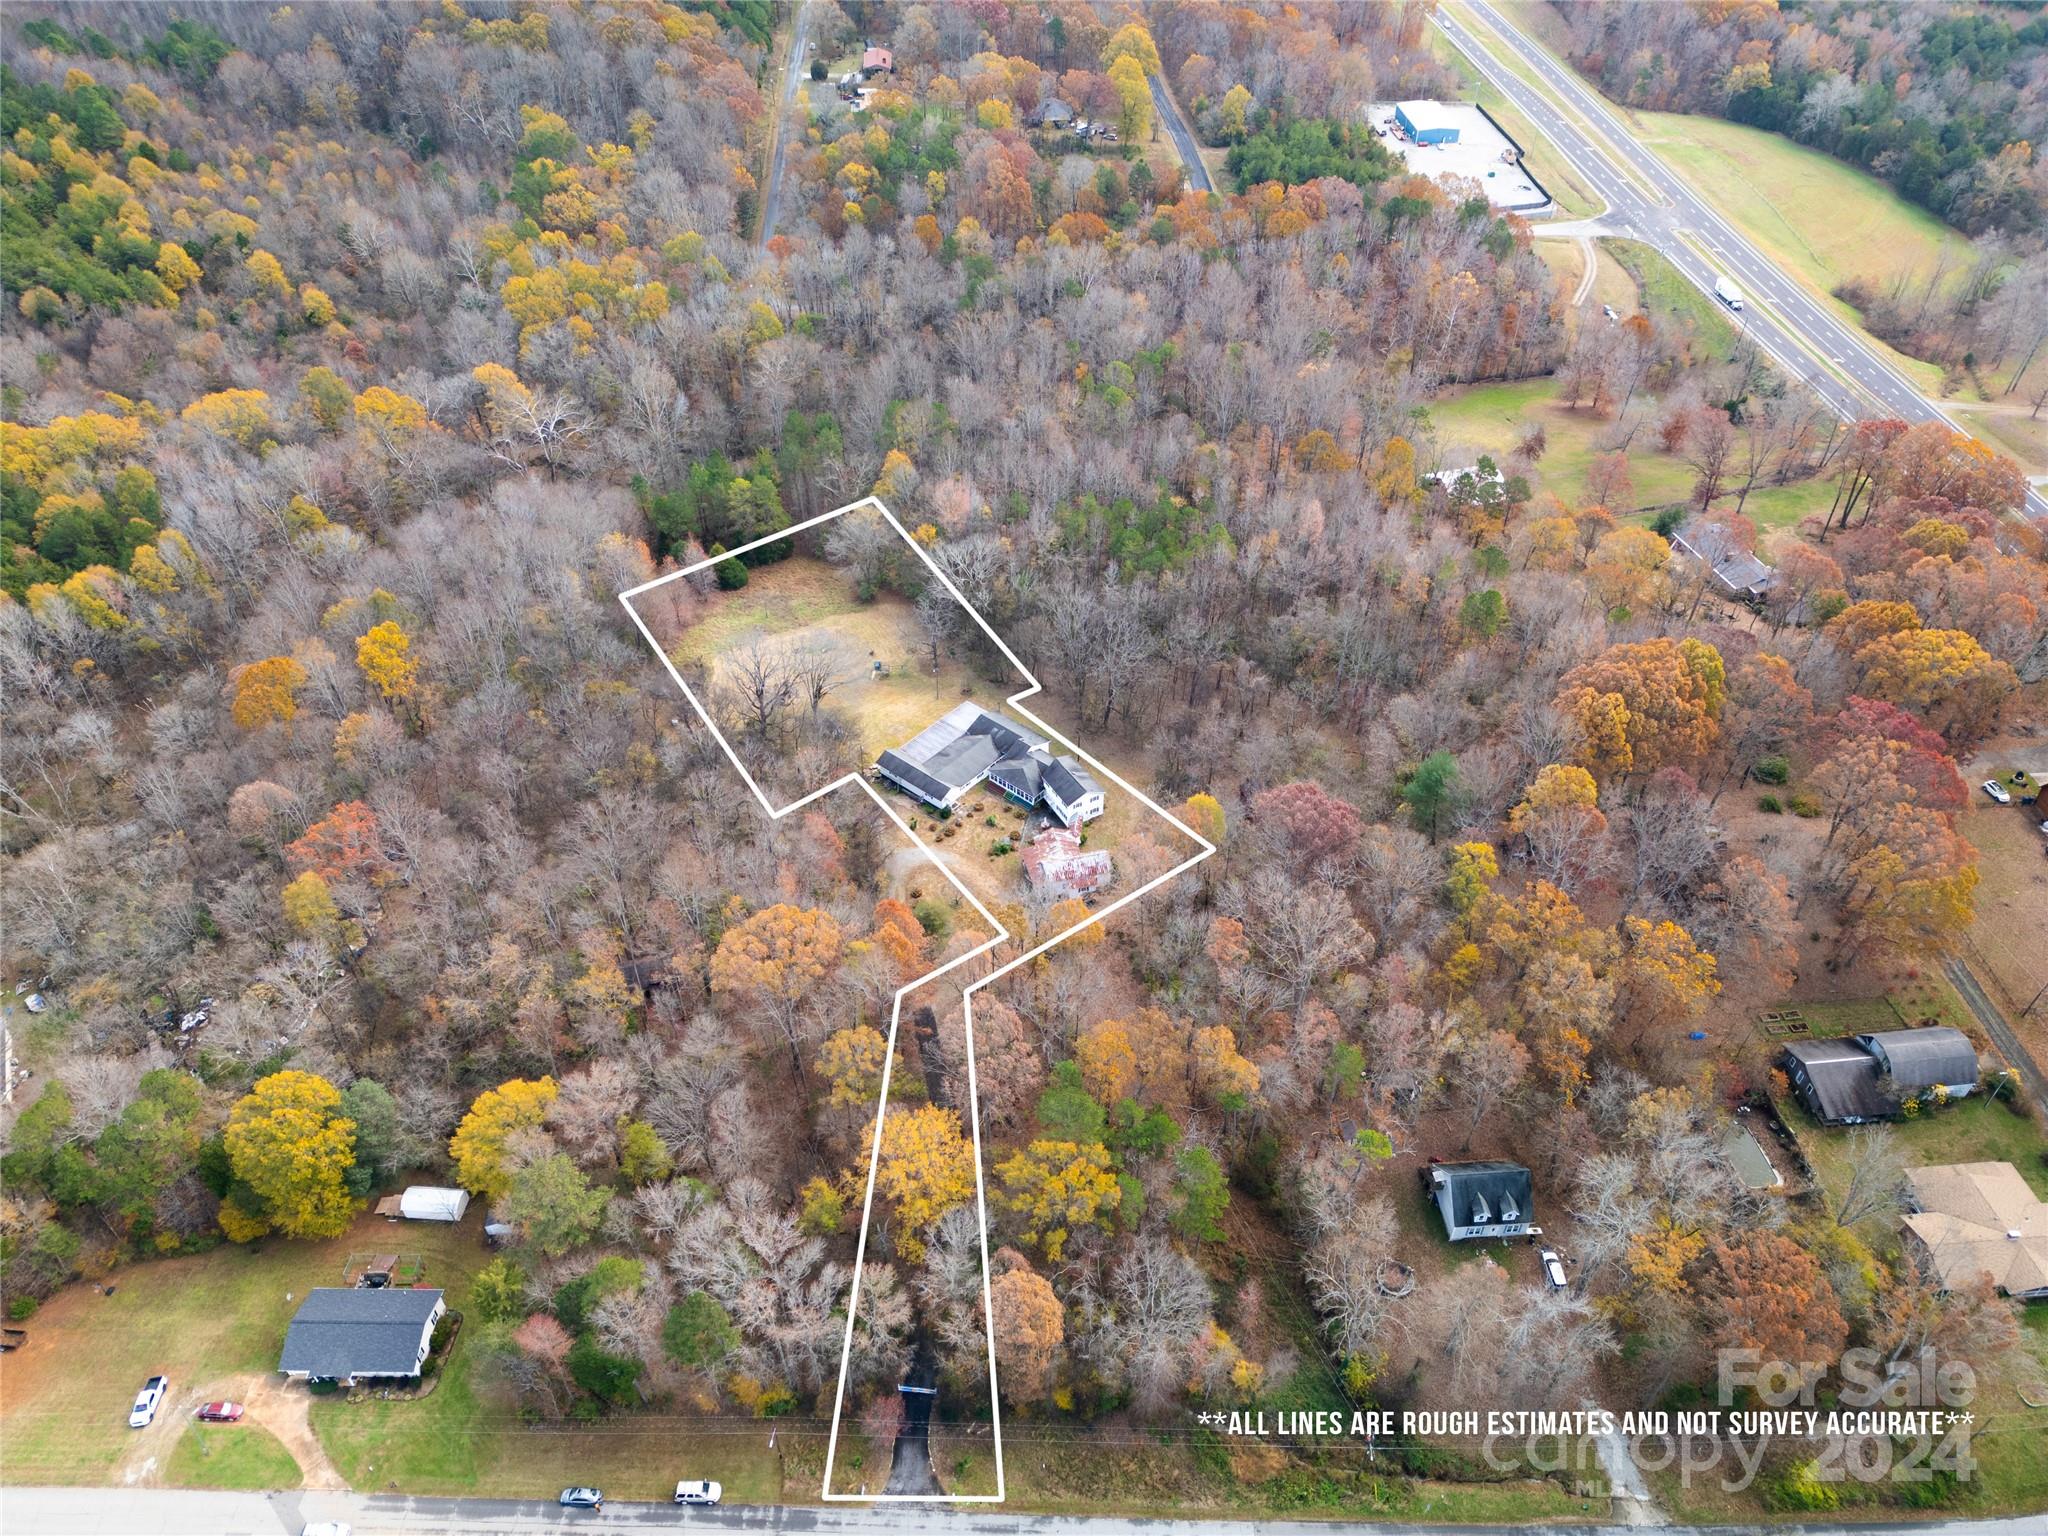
(1928, 999)
(1169, 1477)
(231, 1456)
(1973, 1130)
(801, 601)
(2011, 432)
(1490, 418)
(64, 1398)
(1668, 293)
(462, 1439)
(1822, 220)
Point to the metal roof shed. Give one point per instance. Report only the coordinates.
(1935, 1055)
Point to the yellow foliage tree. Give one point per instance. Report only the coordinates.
(478, 1145)
(1204, 815)
(175, 268)
(1225, 1076)
(241, 416)
(267, 692)
(1109, 1066)
(1055, 1186)
(288, 1141)
(268, 272)
(851, 1060)
(310, 908)
(926, 1169)
(384, 654)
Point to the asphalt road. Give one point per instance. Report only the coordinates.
(171, 1512)
(1182, 135)
(795, 71)
(1649, 202)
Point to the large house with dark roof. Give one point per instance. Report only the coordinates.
(340, 1334)
(1861, 1078)
(1482, 1199)
(967, 744)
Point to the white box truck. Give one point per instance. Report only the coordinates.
(1728, 293)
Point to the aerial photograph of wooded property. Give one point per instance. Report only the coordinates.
(1061, 767)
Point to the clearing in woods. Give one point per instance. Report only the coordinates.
(808, 602)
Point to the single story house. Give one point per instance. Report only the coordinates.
(1050, 113)
(1736, 570)
(967, 744)
(877, 61)
(1484, 1199)
(1426, 122)
(344, 1334)
(1869, 1077)
(1054, 863)
(1971, 1219)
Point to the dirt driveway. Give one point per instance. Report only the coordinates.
(270, 1402)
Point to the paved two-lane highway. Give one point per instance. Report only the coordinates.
(178, 1512)
(1651, 203)
(1182, 135)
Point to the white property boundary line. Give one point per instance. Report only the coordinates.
(1015, 701)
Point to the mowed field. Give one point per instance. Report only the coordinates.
(1824, 220)
(803, 601)
(1491, 418)
(64, 1398)
(199, 1320)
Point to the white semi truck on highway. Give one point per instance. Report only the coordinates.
(1728, 293)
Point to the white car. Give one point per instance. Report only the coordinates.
(328, 1528)
(1998, 791)
(148, 1400)
(698, 1493)
(1553, 1270)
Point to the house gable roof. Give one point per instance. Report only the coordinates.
(341, 1332)
(1737, 568)
(1844, 1079)
(1496, 1184)
(1924, 1057)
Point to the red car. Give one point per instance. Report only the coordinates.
(218, 1413)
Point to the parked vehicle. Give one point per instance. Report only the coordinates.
(218, 1413)
(1998, 791)
(1728, 293)
(1609, 311)
(328, 1528)
(1553, 1270)
(582, 1498)
(698, 1493)
(148, 1400)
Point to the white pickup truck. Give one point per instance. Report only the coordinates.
(1728, 293)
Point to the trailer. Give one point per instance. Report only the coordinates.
(1728, 293)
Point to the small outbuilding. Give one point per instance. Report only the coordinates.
(1482, 1199)
(1054, 863)
(1426, 122)
(426, 1202)
(346, 1334)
